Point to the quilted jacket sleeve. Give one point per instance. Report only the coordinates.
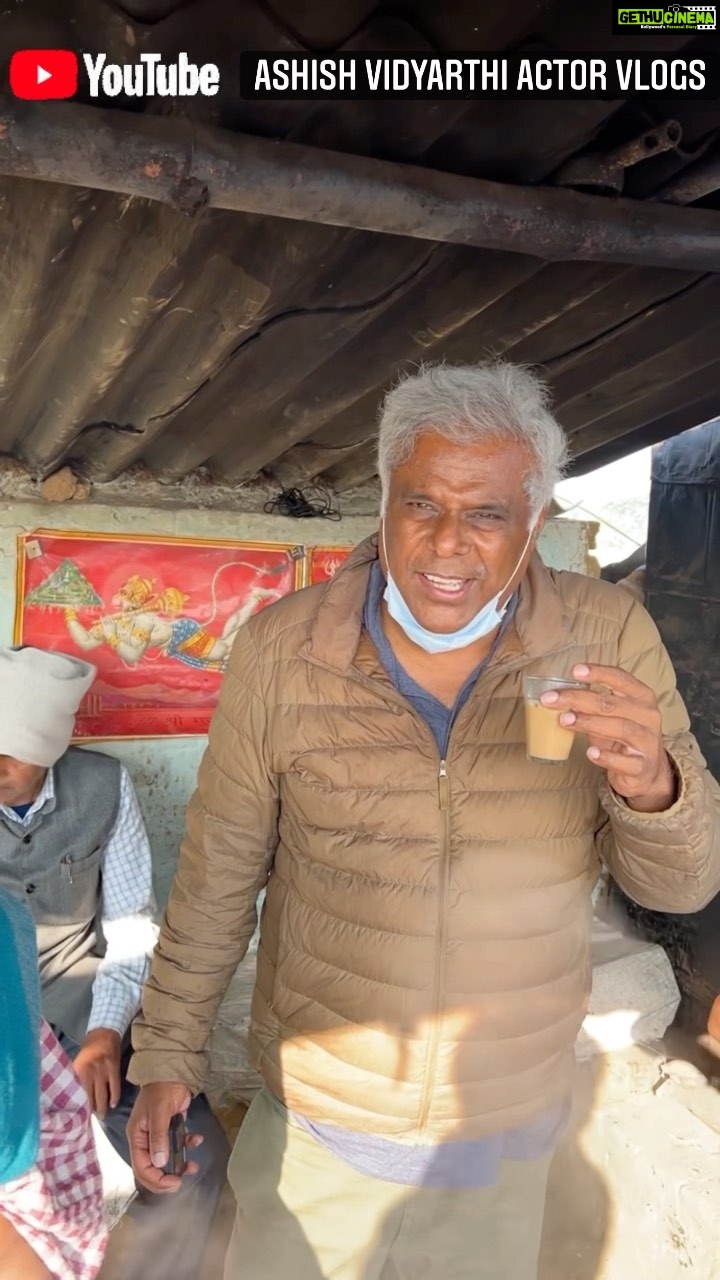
(225, 860)
(665, 861)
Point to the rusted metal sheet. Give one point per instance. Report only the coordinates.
(669, 322)
(652, 419)
(460, 286)
(499, 326)
(626, 296)
(133, 334)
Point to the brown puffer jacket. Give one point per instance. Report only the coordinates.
(424, 959)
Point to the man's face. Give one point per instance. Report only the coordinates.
(20, 783)
(455, 525)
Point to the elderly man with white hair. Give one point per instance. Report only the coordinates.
(73, 846)
(424, 956)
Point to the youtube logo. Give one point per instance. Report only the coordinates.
(42, 74)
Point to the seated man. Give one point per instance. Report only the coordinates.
(73, 845)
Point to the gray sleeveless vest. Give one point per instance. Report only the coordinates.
(55, 864)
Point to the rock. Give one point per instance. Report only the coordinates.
(64, 486)
(634, 997)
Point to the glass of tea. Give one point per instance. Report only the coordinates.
(546, 738)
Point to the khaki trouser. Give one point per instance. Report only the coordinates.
(303, 1214)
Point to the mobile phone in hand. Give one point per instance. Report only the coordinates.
(177, 1134)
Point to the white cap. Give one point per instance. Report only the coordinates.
(40, 693)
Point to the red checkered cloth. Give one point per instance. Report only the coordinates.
(58, 1206)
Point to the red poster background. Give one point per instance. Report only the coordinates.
(324, 562)
(165, 688)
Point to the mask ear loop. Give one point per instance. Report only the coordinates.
(384, 546)
(512, 575)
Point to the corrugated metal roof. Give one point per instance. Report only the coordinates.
(131, 333)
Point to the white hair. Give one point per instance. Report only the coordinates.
(467, 403)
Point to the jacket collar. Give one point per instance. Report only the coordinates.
(539, 626)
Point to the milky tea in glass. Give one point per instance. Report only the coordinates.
(547, 740)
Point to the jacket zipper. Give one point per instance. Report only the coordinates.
(438, 1002)
(443, 786)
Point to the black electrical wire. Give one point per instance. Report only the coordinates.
(298, 504)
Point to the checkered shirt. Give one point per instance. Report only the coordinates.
(57, 1207)
(126, 909)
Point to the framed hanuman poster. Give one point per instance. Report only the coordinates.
(324, 562)
(156, 616)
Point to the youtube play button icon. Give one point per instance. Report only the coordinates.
(42, 74)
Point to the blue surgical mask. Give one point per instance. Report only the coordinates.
(484, 622)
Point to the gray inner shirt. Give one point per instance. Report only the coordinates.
(461, 1163)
